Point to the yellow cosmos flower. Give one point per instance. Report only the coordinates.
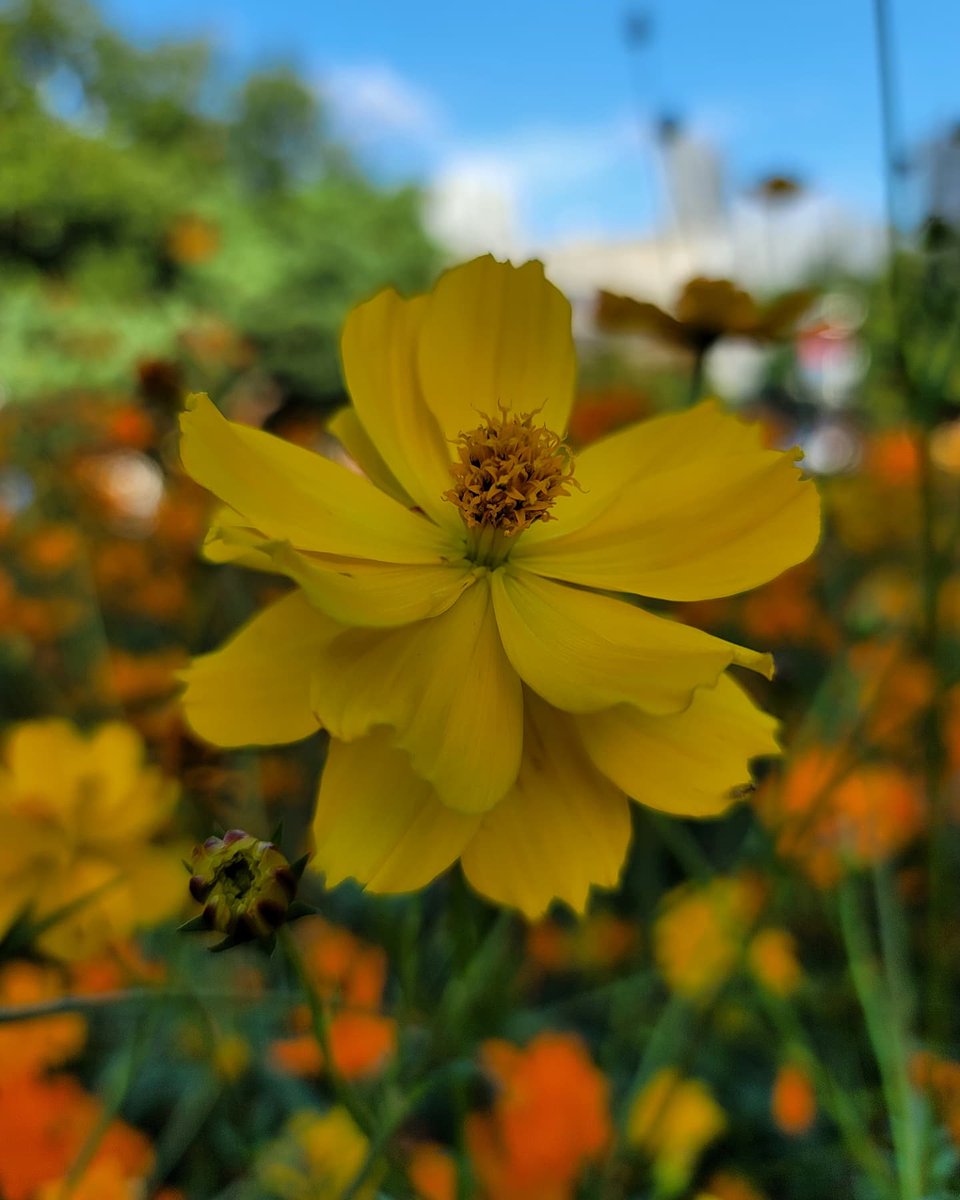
(673, 1120)
(78, 815)
(486, 699)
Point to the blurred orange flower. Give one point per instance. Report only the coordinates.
(892, 457)
(51, 549)
(728, 1185)
(133, 679)
(939, 1078)
(360, 1044)
(350, 975)
(343, 967)
(599, 942)
(550, 1119)
(793, 1101)
(29, 1046)
(829, 813)
(432, 1171)
(786, 610)
(192, 240)
(596, 414)
(44, 1123)
(895, 687)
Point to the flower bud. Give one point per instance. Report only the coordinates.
(246, 886)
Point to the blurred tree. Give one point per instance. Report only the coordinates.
(145, 196)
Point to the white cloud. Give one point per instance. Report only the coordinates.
(493, 195)
(506, 192)
(372, 102)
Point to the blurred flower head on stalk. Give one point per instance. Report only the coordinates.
(485, 700)
(246, 886)
(80, 817)
(706, 311)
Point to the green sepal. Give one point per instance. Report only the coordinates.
(299, 909)
(194, 925)
(299, 866)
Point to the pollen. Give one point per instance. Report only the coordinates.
(510, 473)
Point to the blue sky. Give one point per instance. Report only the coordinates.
(543, 98)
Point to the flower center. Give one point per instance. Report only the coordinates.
(510, 473)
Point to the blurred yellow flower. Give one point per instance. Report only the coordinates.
(317, 1157)
(672, 1121)
(485, 699)
(77, 818)
(772, 959)
(701, 933)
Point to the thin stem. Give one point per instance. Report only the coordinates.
(697, 375)
(888, 119)
(321, 1030)
(896, 967)
(835, 1098)
(880, 1014)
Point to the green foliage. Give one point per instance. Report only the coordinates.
(143, 197)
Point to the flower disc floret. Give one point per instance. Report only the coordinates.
(509, 473)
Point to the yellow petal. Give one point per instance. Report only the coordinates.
(355, 591)
(290, 494)
(445, 688)
(346, 427)
(563, 828)
(255, 690)
(665, 443)
(496, 335)
(17, 896)
(232, 539)
(582, 652)
(723, 522)
(44, 760)
(380, 824)
(120, 799)
(379, 346)
(686, 764)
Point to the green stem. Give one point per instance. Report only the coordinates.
(344, 1093)
(682, 845)
(894, 944)
(836, 1100)
(941, 887)
(886, 1039)
(697, 374)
